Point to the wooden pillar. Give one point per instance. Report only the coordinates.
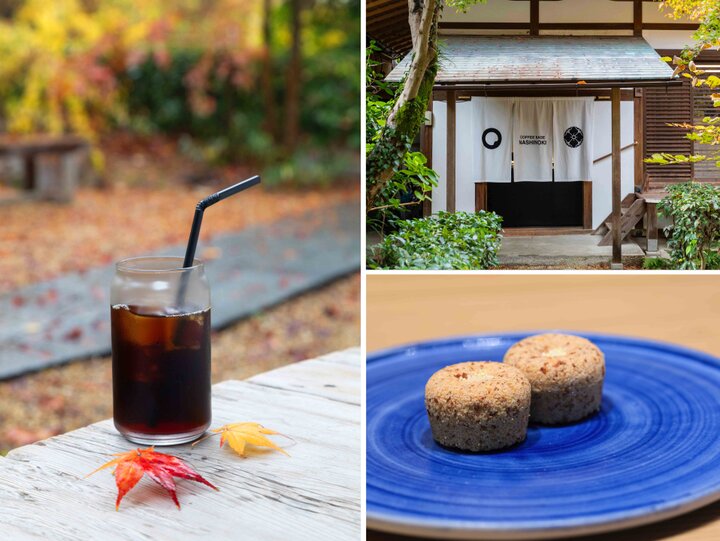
(534, 17)
(426, 135)
(638, 135)
(637, 17)
(616, 263)
(481, 196)
(451, 146)
(587, 205)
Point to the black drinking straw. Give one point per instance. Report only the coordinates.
(197, 221)
(205, 203)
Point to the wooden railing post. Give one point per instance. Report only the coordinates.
(616, 263)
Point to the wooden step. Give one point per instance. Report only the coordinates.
(628, 221)
(625, 204)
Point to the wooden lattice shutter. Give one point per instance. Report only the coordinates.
(703, 107)
(661, 107)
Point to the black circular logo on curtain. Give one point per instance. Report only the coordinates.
(573, 137)
(494, 142)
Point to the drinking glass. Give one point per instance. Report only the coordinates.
(160, 314)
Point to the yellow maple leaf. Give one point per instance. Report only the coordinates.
(238, 435)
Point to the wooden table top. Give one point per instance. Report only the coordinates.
(674, 308)
(314, 494)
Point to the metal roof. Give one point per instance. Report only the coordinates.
(543, 59)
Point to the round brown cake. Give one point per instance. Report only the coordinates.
(566, 373)
(478, 406)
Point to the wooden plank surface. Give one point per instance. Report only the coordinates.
(314, 494)
(334, 377)
(672, 308)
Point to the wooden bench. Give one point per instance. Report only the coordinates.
(312, 495)
(52, 164)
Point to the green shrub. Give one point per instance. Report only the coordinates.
(656, 263)
(713, 261)
(446, 241)
(694, 233)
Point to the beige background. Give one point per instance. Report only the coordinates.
(680, 308)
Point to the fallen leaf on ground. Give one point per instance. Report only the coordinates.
(131, 466)
(238, 435)
(73, 334)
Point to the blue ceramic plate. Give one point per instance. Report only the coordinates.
(652, 452)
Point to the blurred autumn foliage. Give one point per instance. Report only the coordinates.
(272, 81)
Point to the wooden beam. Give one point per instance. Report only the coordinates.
(466, 87)
(600, 93)
(585, 26)
(616, 263)
(670, 26)
(451, 136)
(579, 25)
(426, 147)
(534, 17)
(637, 18)
(482, 26)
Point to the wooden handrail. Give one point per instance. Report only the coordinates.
(601, 158)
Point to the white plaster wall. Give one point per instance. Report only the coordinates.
(653, 13)
(439, 149)
(573, 11)
(494, 11)
(464, 181)
(602, 171)
(668, 39)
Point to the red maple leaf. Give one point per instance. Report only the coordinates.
(73, 334)
(161, 468)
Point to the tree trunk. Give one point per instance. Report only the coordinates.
(292, 87)
(408, 113)
(266, 76)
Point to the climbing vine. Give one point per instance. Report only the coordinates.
(411, 181)
(406, 114)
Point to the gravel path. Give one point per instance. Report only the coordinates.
(67, 318)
